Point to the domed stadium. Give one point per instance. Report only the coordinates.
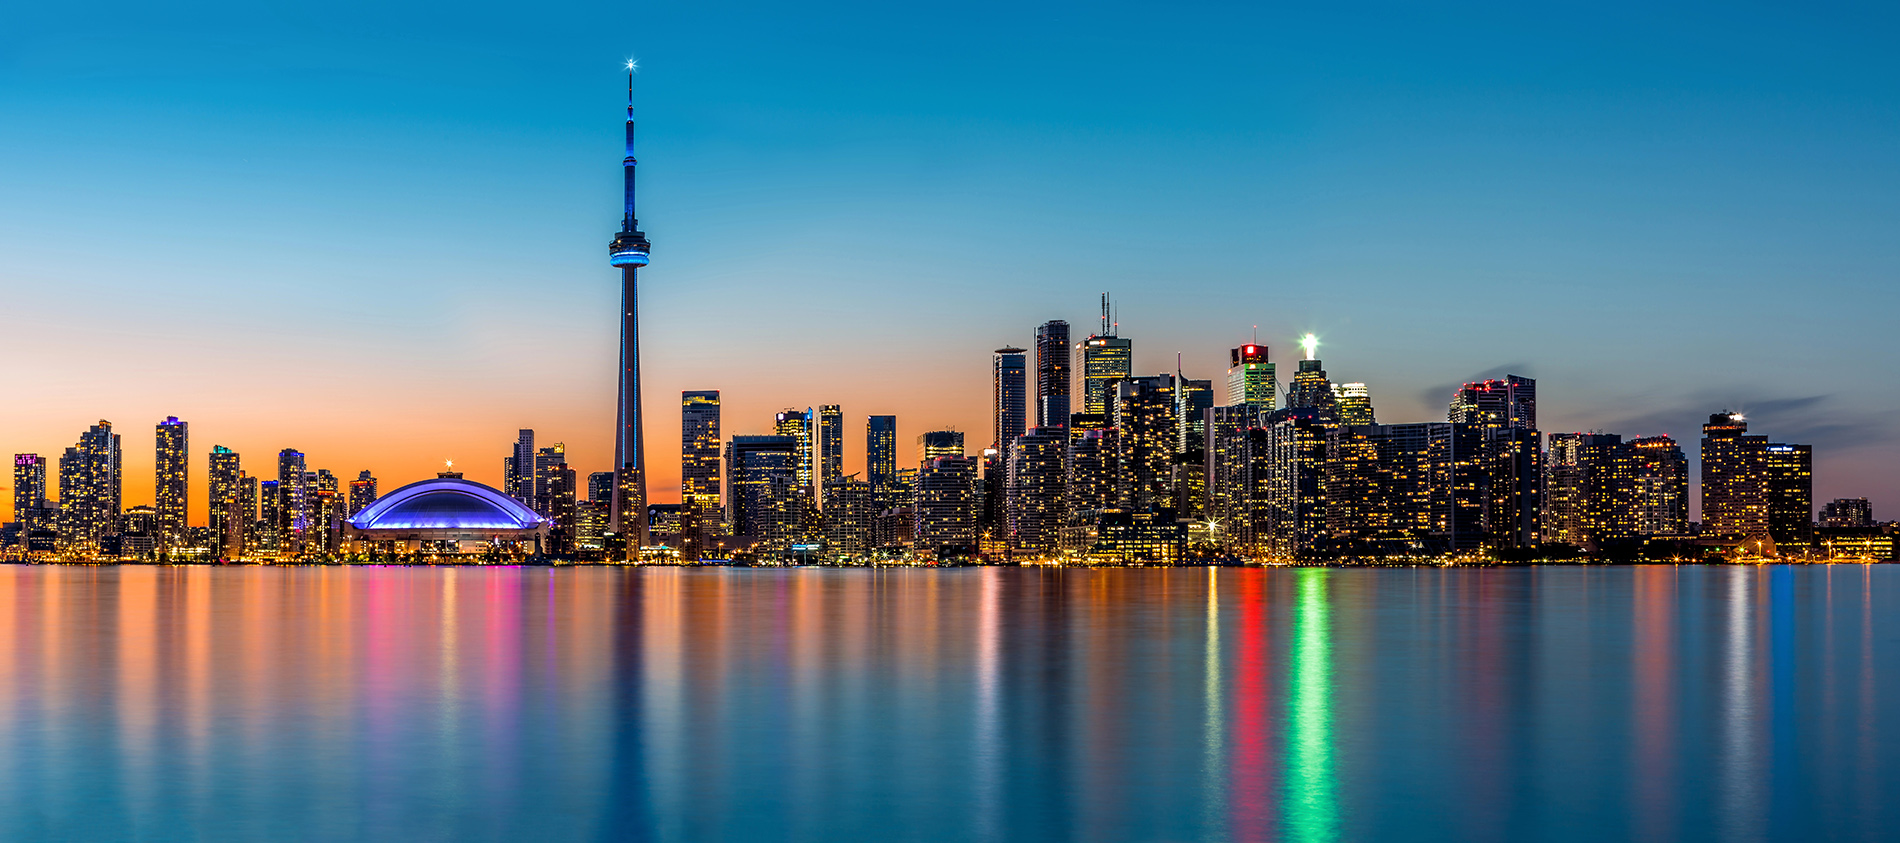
(447, 514)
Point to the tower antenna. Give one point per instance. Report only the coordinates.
(1105, 315)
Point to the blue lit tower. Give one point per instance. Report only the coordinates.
(629, 252)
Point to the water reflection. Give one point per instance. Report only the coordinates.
(1000, 704)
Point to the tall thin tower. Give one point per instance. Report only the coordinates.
(629, 252)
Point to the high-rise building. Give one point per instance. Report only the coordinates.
(798, 425)
(226, 491)
(90, 475)
(1590, 491)
(269, 532)
(172, 485)
(1296, 455)
(1847, 514)
(1511, 402)
(1142, 411)
(700, 503)
(362, 491)
(850, 520)
(830, 444)
(880, 456)
(1376, 487)
(762, 496)
(517, 473)
(293, 501)
(1311, 388)
(939, 443)
(1053, 373)
(1033, 491)
(629, 251)
(1191, 400)
(1229, 474)
(945, 508)
(1093, 470)
(1355, 404)
(1791, 497)
(29, 487)
(1008, 395)
(1251, 380)
(1105, 360)
(554, 497)
(600, 487)
(1734, 480)
(1459, 460)
(1662, 487)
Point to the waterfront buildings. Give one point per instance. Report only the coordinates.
(701, 507)
(1847, 513)
(880, 457)
(1053, 372)
(172, 485)
(1008, 395)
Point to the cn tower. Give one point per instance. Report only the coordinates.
(629, 252)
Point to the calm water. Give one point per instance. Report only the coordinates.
(1656, 703)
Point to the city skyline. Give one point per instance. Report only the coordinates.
(1668, 264)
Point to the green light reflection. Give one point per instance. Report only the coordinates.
(1312, 806)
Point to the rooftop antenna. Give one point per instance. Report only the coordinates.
(1105, 315)
(1178, 374)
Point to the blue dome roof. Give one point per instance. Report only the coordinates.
(446, 503)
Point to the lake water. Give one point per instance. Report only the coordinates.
(1654, 703)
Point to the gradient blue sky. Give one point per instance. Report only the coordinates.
(377, 232)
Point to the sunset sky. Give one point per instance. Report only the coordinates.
(378, 233)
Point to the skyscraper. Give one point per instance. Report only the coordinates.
(1008, 386)
(830, 444)
(1734, 480)
(362, 491)
(798, 425)
(700, 504)
(517, 474)
(1142, 411)
(1251, 380)
(880, 456)
(762, 498)
(945, 508)
(939, 443)
(548, 465)
(90, 476)
(1033, 491)
(1790, 473)
(1311, 388)
(29, 492)
(1662, 487)
(1511, 402)
(629, 252)
(293, 501)
(226, 494)
(1053, 373)
(171, 488)
(1355, 403)
(849, 518)
(1192, 398)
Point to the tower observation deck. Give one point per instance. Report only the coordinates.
(629, 250)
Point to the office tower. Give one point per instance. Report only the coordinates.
(1311, 388)
(1191, 400)
(1511, 402)
(1355, 403)
(700, 502)
(171, 487)
(1033, 491)
(939, 443)
(1008, 395)
(1459, 464)
(629, 252)
(1105, 360)
(270, 517)
(1513, 501)
(850, 519)
(945, 508)
(1251, 380)
(89, 487)
(590, 524)
(1847, 514)
(326, 508)
(293, 501)
(362, 491)
(517, 474)
(225, 490)
(241, 530)
(1790, 475)
(1662, 487)
(600, 487)
(29, 492)
(542, 479)
(1053, 373)
(830, 444)
(798, 425)
(1734, 480)
(555, 493)
(1142, 410)
(762, 498)
(880, 455)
